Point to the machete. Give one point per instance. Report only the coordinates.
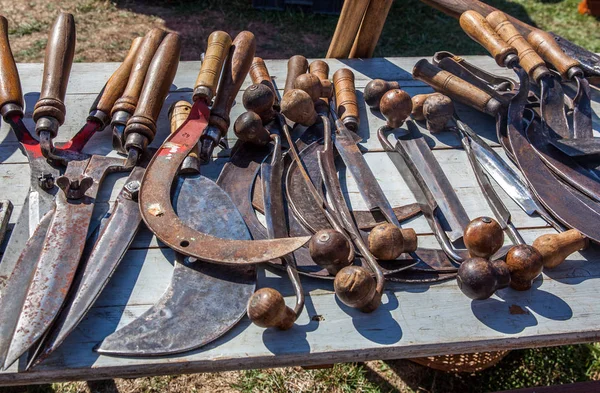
(155, 202)
(214, 294)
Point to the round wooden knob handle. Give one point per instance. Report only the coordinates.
(260, 76)
(555, 248)
(375, 90)
(386, 241)
(330, 250)
(248, 127)
(476, 27)
(11, 95)
(345, 98)
(57, 67)
(544, 44)
(260, 99)
(217, 50)
(319, 68)
(266, 308)
(297, 106)
(355, 287)
(531, 62)
(438, 109)
(483, 237)
(315, 87)
(395, 106)
(296, 66)
(525, 264)
(417, 105)
(129, 100)
(479, 278)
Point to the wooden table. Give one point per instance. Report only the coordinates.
(414, 320)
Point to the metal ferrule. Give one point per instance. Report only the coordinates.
(211, 137)
(136, 141)
(351, 123)
(47, 124)
(99, 117)
(204, 93)
(9, 110)
(120, 118)
(190, 165)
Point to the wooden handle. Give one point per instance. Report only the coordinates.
(417, 105)
(297, 106)
(260, 99)
(248, 127)
(266, 308)
(370, 29)
(331, 250)
(483, 237)
(159, 78)
(10, 83)
(319, 68)
(479, 278)
(356, 288)
(178, 115)
(315, 87)
(479, 30)
(545, 46)
(260, 75)
(347, 27)
(217, 49)
(129, 99)
(555, 248)
(531, 62)
(395, 106)
(57, 67)
(345, 98)
(375, 89)
(455, 87)
(115, 86)
(525, 264)
(235, 71)
(296, 66)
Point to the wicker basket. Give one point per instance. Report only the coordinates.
(464, 362)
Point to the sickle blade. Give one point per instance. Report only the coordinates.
(203, 301)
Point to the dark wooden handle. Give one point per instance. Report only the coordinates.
(531, 62)
(129, 99)
(57, 67)
(479, 30)
(178, 115)
(260, 75)
(525, 264)
(217, 49)
(296, 66)
(235, 71)
(345, 98)
(455, 87)
(483, 237)
(555, 248)
(10, 84)
(159, 78)
(266, 308)
(115, 86)
(545, 46)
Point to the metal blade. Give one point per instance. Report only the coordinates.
(367, 183)
(590, 62)
(116, 234)
(6, 208)
(203, 300)
(553, 107)
(582, 110)
(580, 148)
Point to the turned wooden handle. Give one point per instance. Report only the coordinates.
(178, 115)
(345, 98)
(159, 78)
(260, 75)
(555, 248)
(10, 84)
(131, 95)
(115, 86)
(321, 70)
(217, 49)
(57, 67)
(296, 66)
(267, 308)
(235, 71)
(455, 87)
(545, 46)
(479, 30)
(531, 62)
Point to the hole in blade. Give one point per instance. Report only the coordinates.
(184, 243)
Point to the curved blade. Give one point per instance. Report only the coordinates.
(116, 235)
(158, 214)
(203, 300)
(578, 147)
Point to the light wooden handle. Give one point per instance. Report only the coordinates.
(455, 87)
(479, 30)
(217, 49)
(296, 66)
(370, 29)
(347, 28)
(235, 71)
(531, 62)
(10, 84)
(320, 69)
(266, 308)
(57, 67)
(178, 115)
(545, 46)
(299, 107)
(115, 86)
(315, 87)
(555, 248)
(260, 75)
(159, 78)
(129, 99)
(345, 97)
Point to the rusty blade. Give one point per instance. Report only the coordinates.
(6, 208)
(116, 234)
(203, 300)
(157, 212)
(575, 211)
(588, 148)
(582, 110)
